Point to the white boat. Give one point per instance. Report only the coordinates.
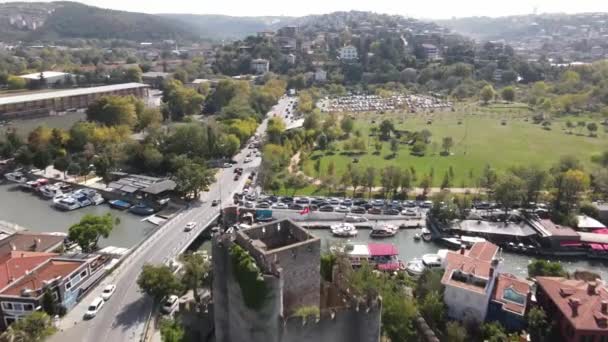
(417, 236)
(50, 190)
(432, 261)
(93, 196)
(415, 267)
(344, 230)
(67, 203)
(384, 230)
(15, 177)
(35, 184)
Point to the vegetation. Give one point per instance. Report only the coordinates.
(250, 279)
(196, 274)
(307, 311)
(171, 331)
(544, 268)
(35, 327)
(158, 282)
(90, 229)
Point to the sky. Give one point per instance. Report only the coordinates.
(414, 8)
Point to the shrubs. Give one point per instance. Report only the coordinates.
(249, 277)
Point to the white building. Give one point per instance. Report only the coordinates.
(349, 53)
(469, 278)
(431, 52)
(260, 66)
(320, 75)
(291, 58)
(51, 77)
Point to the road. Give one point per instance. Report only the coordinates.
(123, 317)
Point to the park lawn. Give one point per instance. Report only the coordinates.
(479, 140)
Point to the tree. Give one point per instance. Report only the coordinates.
(545, 268)
(569, 185)
(90, 229)
(276, 127)
(114, 111)
(581, 125)
(347, 124)
(230, 145)
(322, 141)
(195, 273)
(158, 282)
(537, 324)
(425, 183)
(508, 191)
(447, 143)
(394, 146)
(386, 128)
(317, 167)
(133, 74)
(370, 179)
(455, 332)
(41, 159)
(15, 83)
(534, 179)
(592, 128)
(433, 310)
(419, 148)
(508, 94)
(488, 177)
(35, 327)
(181, 101)
(191, 179)
(487, 93)
(171, 331)
(493, 332)
(446, 182)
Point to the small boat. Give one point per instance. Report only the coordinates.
(52, 190)
(141, 209)
(35, 184)
(15, 177)
(415, 267)
(94, 197)
(344, 230)
(426, 235)
(67, 203)
(120, 205)
(432, 261)
(417, 236)
(384, 230)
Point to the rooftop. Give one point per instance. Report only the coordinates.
(49, 270)
(276, 235)
(132, 183)
(153, 74)
(512, 293)
(548, 228)
(470, 270)
(45, 74)
(584, 304)
(38, 96)
(30, 242)
(484, 251)
(498, 228)
(15, 264)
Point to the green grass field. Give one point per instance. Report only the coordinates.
(480, 139)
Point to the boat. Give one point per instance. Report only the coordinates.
(67, 203)
(432, 261)
(384, 230)
(15, 177)
(93, 196)
(417, 236)
(427, 262)
(344, 230)
(415, 267)
(426, 235)
(120, 205)
(52, 190)
(141, 209)
(35, 184)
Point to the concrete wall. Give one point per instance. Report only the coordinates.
(465, 305)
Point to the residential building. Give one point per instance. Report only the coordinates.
(510, 302)
(31, 242)
(50, 77)
(286, 259)
(45, 103)
(154, 79)
(349, 53)
(288, 31)
(320, 76)
(265, 34)
(469, 279)
(291, 58)
(580, 308)
(260, 66)
(431, 52)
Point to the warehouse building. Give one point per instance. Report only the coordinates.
(48, 103)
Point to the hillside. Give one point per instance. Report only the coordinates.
(226, 27)
(59, 20)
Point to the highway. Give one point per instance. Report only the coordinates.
(123, 317)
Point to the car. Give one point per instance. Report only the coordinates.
(378, 203)
(215, 203)
(409, 204)
(375, 211)
(409, 212)
(94, 307)
(427, 204)
(347, 203)
(392, 212)
(295, 206)
(367, 206)
(263, 205)
(189, 226)
(248, 154)
(302, 200)
(169, 304)
(359, 202)
(341, 209)
(248, 160)
(355, 219)
(206, 189)
(250, 197)
(108, 291)
(326, 208)
(273, 199)
(357, 210)
(237, 177)
(334, 201)
(280, 206)
(287, 200)
(249, 204)
(227, 165)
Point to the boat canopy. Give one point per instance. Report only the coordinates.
(382, 249)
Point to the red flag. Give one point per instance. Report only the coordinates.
(305, 211)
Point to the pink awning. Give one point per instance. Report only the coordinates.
(601, 231)
(570, 244)
(392, 266)
(382, 249)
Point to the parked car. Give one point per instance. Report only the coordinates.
(392, 211)
(334, 201)
(342, 209)
(215, 203)
(227, 165)
(327, 208)
(108, 291)
(263, 205)
(359, 202)
(347, 203)
(287, 200)
(189, 226)
(273, 199)
(247, 160)
(357, 210)
(302, 200)
(409, 212)
(295, 206)
(169, 304)
(280, 205)
(375, 211)
(355, 219)
(249, 204)
(237, 177)
(94, 307)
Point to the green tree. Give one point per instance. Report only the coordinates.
(394, 146)
(35, 327)
(508, 191)
(493, 332)
(230, 145)
(488, 177)
(487, 93)
(181, 101)
(114, 111)
(347, 124)
(378, 147)
(41, 159)
(15, 83)
(158, 282)
(545, 268)
(538, 324)
(386, 128)
(171, 331)
(455, 332)
(133, 74)
(433, 310)
(508, 94)
(90, 229)
(446, 182)
(196, 273)
(370, 179)
(447, 143)
(592, 128)
(276, 127)
(191, 179)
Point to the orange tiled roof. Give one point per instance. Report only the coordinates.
(506, 281)
(477, 262)
(47, 271)
(15, 264)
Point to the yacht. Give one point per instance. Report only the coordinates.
(415, 267)
(67, 203)
(384, 230)
(50, 190)
(120, 205)
(427, 262)
(141, 209)
(344, 230)
(15, 177)
(93, 196)
(35, 184)
(426, 235)
(382, 256)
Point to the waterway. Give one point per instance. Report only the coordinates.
(30, 211)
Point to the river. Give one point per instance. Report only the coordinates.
(30, 211)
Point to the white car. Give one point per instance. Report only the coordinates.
(280, 205)
(169, 304)
(94, 308)
(342, 209)
(355, 219)
(189, 226)
(108, 291)
(247, 160)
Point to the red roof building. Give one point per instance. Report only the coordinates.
(510, 302)
(15, 264)
(580, 308)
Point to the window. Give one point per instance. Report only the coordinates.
(28, 307)
(68, 286)
(7, 306)
(18, 306)
(83, 273)
(9, 320)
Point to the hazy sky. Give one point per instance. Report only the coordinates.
(415, 8)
